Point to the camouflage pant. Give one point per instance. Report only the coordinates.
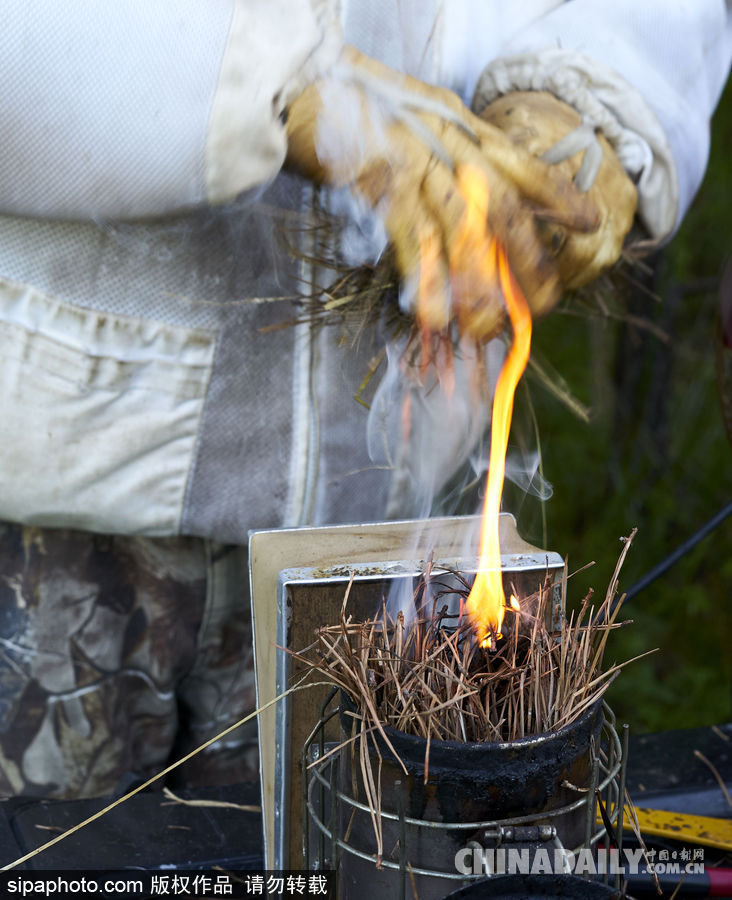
(117, 656)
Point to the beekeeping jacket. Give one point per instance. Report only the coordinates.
(147, 387)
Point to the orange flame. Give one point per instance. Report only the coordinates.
(487, 601)
(480, 273)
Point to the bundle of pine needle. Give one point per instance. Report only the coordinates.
(429, 677)
(334, 291)
(356, 298)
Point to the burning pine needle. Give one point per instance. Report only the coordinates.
(432, 676)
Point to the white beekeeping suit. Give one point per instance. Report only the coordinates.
(137, 393)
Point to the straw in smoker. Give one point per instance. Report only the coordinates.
(432, 679)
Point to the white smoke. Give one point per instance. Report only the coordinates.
(426, 425)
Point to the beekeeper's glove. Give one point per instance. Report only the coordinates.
(408, 149)
(554, 130)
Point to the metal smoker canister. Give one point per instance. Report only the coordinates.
(473, 782)
(299, 578)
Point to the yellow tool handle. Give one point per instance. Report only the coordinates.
(704, 830)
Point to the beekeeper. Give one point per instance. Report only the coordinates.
(152, 410)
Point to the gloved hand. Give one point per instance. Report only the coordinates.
(409, 149)
(547, 127)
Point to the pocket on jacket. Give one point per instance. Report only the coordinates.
(99, 415)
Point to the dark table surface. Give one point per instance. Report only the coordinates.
(150, 831)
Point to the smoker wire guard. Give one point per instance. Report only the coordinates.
(612, 771)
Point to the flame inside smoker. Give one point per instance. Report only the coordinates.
(478, 252)
(487, 601)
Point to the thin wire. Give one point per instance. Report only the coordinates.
(674, 557)
(179, 762)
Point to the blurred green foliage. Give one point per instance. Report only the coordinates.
(654, 455)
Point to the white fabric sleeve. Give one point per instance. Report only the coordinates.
(135, 108)
(649, 74)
